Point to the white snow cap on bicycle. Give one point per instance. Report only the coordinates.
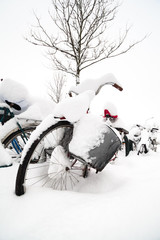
(12, 91)
(96, 84)
(75, 107)
(15, 92)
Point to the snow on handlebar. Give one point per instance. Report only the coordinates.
(96, 84)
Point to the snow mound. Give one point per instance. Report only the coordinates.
(12, 91)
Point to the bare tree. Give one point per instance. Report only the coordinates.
(56, 87)
(81, 38)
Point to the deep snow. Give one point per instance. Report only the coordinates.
(120, 203)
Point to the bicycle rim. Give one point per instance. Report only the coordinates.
(16, 141)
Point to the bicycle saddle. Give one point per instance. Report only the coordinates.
(74, 108)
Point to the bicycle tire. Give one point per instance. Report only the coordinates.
(19, 138)
(50, 171)
(143, 149)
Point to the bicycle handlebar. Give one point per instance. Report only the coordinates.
(118, 87)
(13, 105)
(96, 86)
(98, 90)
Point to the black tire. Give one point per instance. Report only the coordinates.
(42, 166)
(128, 145)
(16, 141)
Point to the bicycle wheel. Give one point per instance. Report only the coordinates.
(48, 162)
(143, 149)
(15, 142)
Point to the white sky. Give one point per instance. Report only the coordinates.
(138, 70)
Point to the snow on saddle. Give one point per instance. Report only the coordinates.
(72, 109)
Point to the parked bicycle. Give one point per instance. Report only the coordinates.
(144, 139)
(69, 143)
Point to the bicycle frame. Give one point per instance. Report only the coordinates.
(13, 126)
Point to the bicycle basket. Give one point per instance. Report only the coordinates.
(102, 154)
(5, 114)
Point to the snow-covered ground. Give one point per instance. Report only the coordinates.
(120, 203)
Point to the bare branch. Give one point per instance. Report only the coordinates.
(56, 87)
(80, 37)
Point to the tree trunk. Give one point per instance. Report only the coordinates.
(77, 80)
(78, 76)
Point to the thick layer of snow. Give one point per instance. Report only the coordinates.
(75, 107)
(87, 134)
(120, 203)
(12, 91)
(15, 92)
(39, 109)
(95, 84)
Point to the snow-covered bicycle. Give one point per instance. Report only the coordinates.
(144, 139)
(69, 142)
